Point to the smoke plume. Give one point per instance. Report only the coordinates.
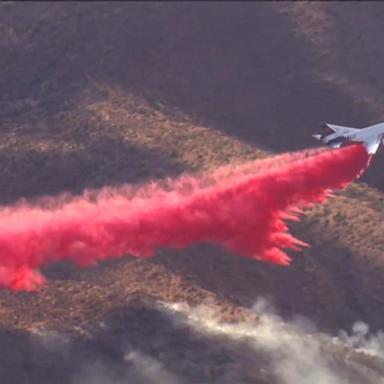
(362, 339)
(243, 208)
(293, 355)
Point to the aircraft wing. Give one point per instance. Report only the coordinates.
(327, 128)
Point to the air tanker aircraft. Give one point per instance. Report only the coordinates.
(337, 136)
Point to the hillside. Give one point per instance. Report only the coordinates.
(96, 94)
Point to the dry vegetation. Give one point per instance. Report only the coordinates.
(95, 94)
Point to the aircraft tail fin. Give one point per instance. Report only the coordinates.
(372, 146)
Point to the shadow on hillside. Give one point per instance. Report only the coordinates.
(223, 64)
(109, 162)
(139, 345)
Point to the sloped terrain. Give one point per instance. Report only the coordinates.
(95, 94)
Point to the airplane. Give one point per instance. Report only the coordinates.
(337, 136)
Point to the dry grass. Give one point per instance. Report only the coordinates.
(95, 95)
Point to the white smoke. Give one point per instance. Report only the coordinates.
(362, 340)
(150, 370)
(297, 353)
(262, 348)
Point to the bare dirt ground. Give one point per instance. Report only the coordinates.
(95, 94)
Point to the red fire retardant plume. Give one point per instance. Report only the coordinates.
(241, 207)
